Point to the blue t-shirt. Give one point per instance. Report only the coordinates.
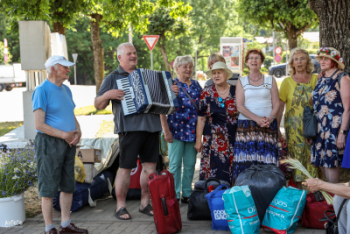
(183, 122)
(58, 105)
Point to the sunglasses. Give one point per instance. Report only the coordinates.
(222, 102)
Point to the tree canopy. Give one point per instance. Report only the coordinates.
(292, 17)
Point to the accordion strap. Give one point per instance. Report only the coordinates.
(195, 105)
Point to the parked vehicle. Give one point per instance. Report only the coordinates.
(11, 76)
(279, 70)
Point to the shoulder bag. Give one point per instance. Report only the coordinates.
(332, 225)
(310, 119)
(195, 105)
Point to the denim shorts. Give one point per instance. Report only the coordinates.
(55, 165)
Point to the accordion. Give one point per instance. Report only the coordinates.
(148, 91)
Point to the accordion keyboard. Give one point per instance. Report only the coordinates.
(128, 104)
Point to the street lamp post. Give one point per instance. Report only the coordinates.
(75, 56)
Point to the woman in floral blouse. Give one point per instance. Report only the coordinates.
(331, 102)
(180, 128)
(217, 103)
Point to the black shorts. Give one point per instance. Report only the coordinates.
(132, 144)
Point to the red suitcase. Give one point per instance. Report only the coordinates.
(166, 210)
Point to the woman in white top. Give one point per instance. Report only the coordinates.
(258, 104)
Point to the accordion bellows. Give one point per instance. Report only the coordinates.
(148, 91)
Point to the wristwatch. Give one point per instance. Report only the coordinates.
(344, 131)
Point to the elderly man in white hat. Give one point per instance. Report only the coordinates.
(58, 132)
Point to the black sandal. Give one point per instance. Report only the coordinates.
(185, 199)
(147, 210)
(120, 212)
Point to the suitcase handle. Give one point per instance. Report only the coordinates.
(165, 208)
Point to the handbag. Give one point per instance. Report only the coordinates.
(332, 224)
(310, 119)
(216, 205)
(315, 206)
(198, 208)
(195, 105)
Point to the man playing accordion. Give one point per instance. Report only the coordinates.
(138, 133)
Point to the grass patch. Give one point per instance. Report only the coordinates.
(91, 110)
(9, 126)
(32, 202)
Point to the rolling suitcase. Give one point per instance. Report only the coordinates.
(166, 210)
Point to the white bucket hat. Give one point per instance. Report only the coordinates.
(217, 66)
(331, 53)
(57, 59)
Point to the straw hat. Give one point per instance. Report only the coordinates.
(331, 53)
(217, 66)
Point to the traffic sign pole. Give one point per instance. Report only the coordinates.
(151, 41)
(151, 60)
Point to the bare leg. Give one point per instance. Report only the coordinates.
(46, 207)
(65, 203)
(147, 169)
(122, 183)
(332, 174)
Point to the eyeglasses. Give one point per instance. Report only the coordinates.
(222, 102)
(254, 58)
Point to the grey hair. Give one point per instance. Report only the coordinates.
(120, 49)
(180, 60)
(48, 69)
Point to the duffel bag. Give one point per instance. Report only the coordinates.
(242, 216)
(88, 193)
(198, 208)
(285, 210)
(314, 211)
(217, 208)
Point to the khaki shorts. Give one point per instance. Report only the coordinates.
(55, 164)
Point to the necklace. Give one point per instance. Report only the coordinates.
(255, 80)
(221, 93)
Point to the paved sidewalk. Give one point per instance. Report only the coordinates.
(101, 220)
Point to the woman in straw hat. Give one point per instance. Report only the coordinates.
(258, 104)
(217, 104)
(295, 94)
(331, 103)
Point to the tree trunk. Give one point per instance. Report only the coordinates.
(334, 17)
(97, 50)
(165, 57)
(293, 32)
(58, 27)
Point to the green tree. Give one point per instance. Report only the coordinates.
(168, 23)
(334, 18)
(292, 17)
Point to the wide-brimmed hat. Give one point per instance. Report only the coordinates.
(331, 53)
(217, 66)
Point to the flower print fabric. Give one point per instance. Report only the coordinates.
(219, 136)
(297, 96)
(183, 122)
(329, 110)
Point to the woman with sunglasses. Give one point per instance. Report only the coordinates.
(217, 104)
(258, 105)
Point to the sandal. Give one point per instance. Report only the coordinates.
(147, 210)
(120, 212)
(185, 199)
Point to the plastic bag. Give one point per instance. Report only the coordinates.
(79, 170)
(242, 216)
(217, 208)
(264, 182)
(285, 210)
